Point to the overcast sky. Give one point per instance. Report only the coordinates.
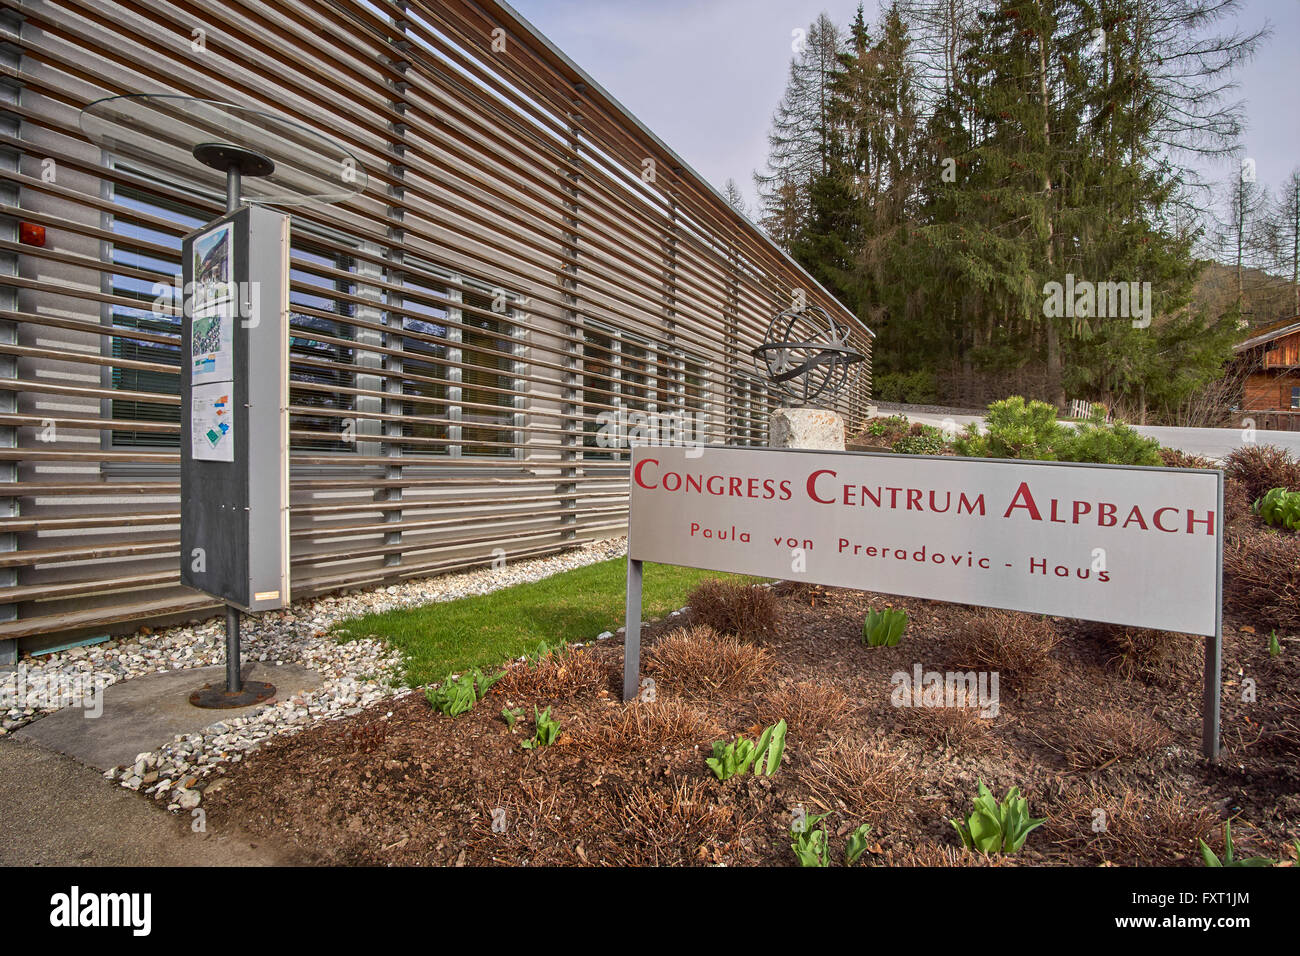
(706, 75)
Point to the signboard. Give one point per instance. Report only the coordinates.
(234, 401)
(1125, 545)
(212, 422)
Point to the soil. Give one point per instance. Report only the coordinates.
(1102, 736)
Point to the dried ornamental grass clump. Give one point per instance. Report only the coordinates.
(1174, 458)
(671, 826)
(801, 592)
(562, 674)
(950, 726)
(747, 611)
(666, 723)
(869, 779)
(1103, 823)
(700, 660)
(1261, 578)
(1013, 644)
(1098, 738)
(1261, 467)
(1163, 658)
(810, 708)
(936, 854)
(1236, 504)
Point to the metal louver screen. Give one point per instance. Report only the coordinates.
(467, 334)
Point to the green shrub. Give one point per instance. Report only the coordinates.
(885, 431)
(1029, 431)
(735, 759)
(1015, 429)
(457, 695)
(921, 440)
(884, 628)
(1280, 508)
(884, 427)
(997, 826)
(909, 388)
(1116, 444)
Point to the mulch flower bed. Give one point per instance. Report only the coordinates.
(1100, 729)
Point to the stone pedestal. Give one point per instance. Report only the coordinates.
(813, 429)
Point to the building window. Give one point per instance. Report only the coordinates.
(426, 416)
(460, 366)
(147, 275)
(460, 361)
(684, 422)
(753, 404)
(488, 393)
(620, 390)
(1295, 396)
(322, 357)
(638, 392)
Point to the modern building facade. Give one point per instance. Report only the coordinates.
(529, 279)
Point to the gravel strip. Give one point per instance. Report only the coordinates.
(356, 674)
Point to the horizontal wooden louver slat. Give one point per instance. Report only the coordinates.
(454, 383)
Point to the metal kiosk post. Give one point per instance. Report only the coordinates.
(234, 444)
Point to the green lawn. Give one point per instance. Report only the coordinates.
(488, 630)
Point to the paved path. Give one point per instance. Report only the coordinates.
(58, 812)
(1216, 443)
(56, 808)
(140, 715)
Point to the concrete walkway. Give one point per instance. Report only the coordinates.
(58, 812)
(142, 714)
(56, 808)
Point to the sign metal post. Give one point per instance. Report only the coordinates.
(632, 631)
(1213, 690)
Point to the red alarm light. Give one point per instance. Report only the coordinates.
(30, 234)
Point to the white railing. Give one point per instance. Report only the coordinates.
(1081, 409)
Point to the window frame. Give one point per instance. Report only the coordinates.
(512, 330)
(109, 222)
(664, 378)
(429, 276)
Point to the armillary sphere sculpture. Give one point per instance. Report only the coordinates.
(806, 353)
